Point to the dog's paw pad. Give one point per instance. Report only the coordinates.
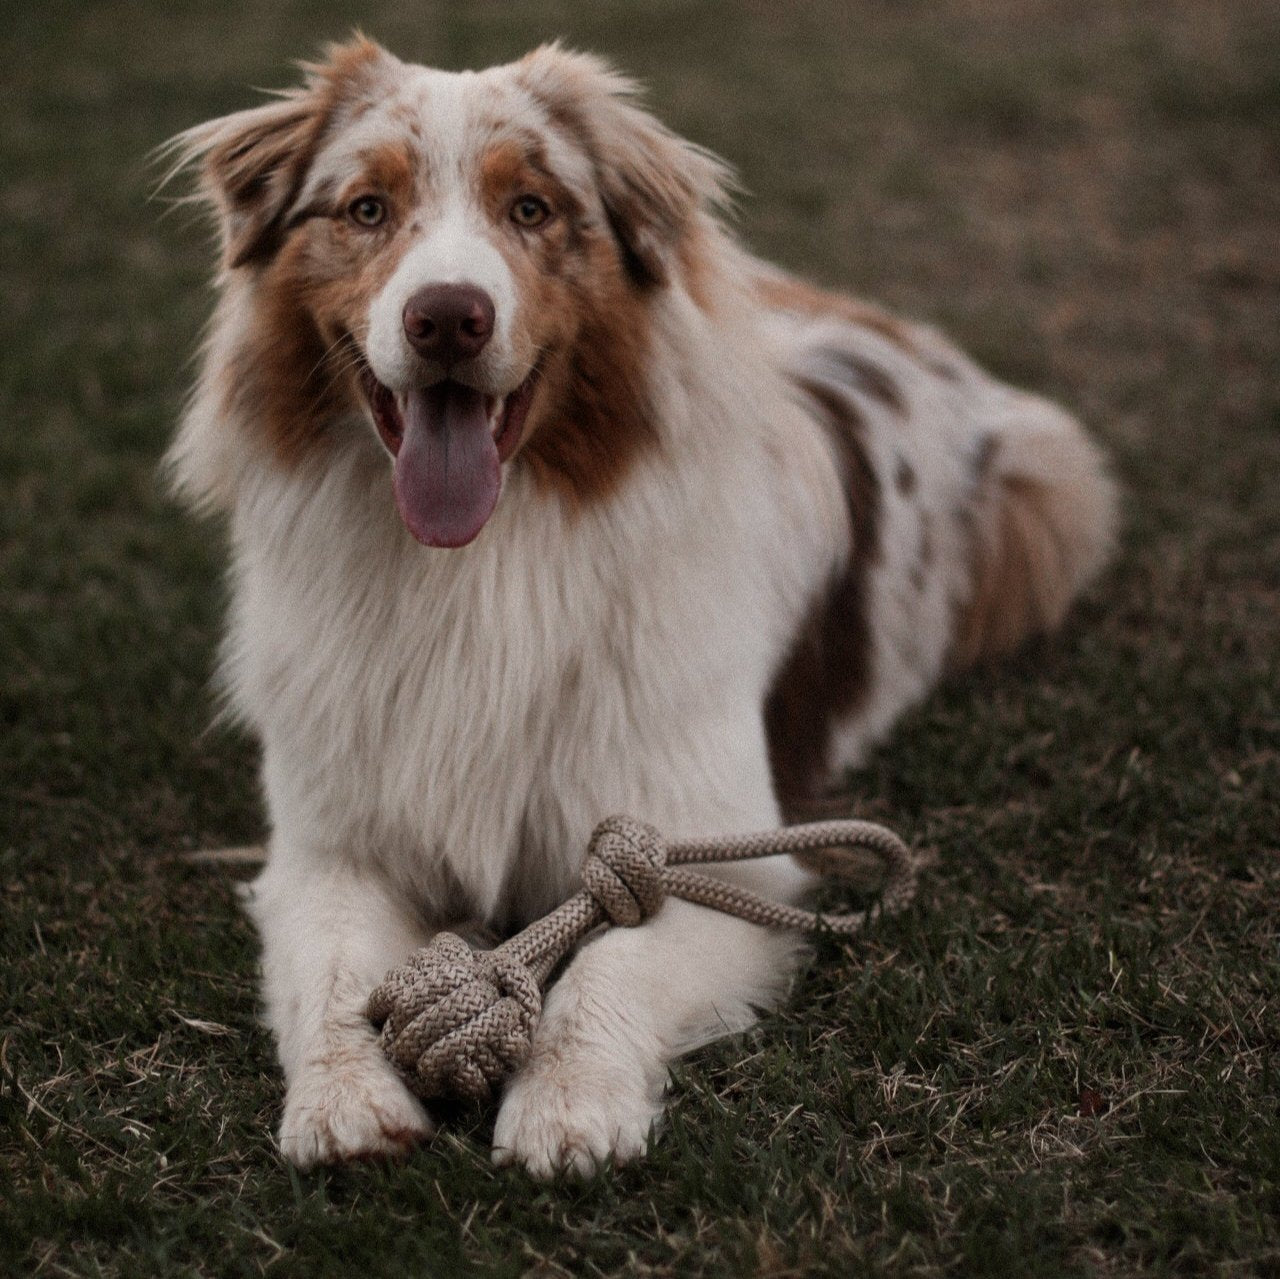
(356, 1111)
(554, 1121)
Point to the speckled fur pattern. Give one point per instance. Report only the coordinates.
(441, 729)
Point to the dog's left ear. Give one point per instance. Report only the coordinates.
(652, 183)
(253, 163)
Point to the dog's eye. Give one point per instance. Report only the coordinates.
(368, 210)
(529, 211)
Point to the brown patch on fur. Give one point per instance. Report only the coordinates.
(294, 371)
(591, 417)
(1021, 569)
(514, 167)
(785, 293)
(388, 169)
(827, 673)
(585, 284)
(505, 171)
(278, 380)
(582, 320)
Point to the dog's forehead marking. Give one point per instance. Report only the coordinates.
(440, 103)
(446, 121)
(454, 115)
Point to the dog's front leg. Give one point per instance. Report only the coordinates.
(630, 1001)
(329, 935)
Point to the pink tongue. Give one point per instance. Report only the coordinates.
(446, 472)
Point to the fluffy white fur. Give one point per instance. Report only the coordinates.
(441, 729)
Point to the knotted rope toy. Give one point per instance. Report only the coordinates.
(456, 1021)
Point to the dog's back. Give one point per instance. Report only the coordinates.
(976, 514)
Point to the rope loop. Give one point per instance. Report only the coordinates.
(457, 1022)
(623, 870)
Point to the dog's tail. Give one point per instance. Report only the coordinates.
(1044, 513)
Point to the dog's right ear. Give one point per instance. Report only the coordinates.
(253, 163)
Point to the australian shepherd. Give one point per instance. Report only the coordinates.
(548, 500)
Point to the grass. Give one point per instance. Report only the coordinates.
(1062, 1061)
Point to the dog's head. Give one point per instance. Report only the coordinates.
(471, 256)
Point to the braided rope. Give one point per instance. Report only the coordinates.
(455, 1022)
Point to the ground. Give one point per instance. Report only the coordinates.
(1061, 1060)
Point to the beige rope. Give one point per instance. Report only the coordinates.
(456, 1021)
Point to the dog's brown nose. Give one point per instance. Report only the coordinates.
(449, 322)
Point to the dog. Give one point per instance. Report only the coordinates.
(548, 500)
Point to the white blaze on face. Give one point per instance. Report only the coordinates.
(453, 250)
(455, 245)
(446, 424)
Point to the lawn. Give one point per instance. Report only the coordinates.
(1062, 1059)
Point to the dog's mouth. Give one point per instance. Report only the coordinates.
(449, 441)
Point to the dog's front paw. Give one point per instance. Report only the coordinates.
(353, 1109)
(561, 1116)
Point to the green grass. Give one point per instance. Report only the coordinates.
(1062, 1060)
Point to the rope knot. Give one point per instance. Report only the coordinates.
(456, 1021)
(623, 870)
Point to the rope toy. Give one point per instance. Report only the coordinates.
(456, 1022)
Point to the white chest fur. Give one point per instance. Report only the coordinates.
(464, 717)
